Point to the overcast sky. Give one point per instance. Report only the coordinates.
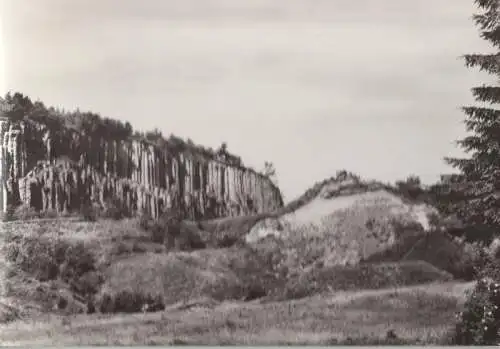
(315, 86)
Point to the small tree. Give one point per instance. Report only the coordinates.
(154, 136)
(411, 187)
(269, 171)
(223, 148)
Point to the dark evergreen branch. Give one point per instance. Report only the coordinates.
(489, 94)
(489, 63)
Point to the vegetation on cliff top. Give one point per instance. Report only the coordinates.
(17, 107)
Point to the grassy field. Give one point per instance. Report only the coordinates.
(416, 315)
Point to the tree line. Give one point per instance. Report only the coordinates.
(18, 107)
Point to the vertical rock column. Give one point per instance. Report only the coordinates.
(115, 158)
(4, 124)
(106, 153)
(229, 205)
(24, 153)
(14, 165)
(3, 191)
(168, 170)
(152, 184)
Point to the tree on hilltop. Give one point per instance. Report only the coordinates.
(154, 136)
(270, 172)
(480, 172)
(411, 187)
(20, 105)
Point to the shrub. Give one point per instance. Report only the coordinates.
(120, 248)
(48, 257)
(472, 262)
(479, 323)
(170, 231)
(24, 212)
(88, 212)
(9, 214)
(227, 241)
(77, 261)
(116, 209)
(145, 222)
(88, 284)
(161, 229)
(36, 256)
(49, 214)
(127, 301)
(255, 291)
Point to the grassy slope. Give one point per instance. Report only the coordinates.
(421, 314)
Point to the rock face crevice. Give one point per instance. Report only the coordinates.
(62, 169)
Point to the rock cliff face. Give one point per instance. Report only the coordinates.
(61, 170)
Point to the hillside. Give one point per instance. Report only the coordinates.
(351, 236)
(350, 218)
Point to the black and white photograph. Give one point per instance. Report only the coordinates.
(249, 172)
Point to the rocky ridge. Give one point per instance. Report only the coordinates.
(61, 169)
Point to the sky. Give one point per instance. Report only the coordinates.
(315, 86)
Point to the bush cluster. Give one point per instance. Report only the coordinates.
(113, 208)
(116, 209)
(25, 212)
(170, 231)
(48, 257)
(127, 301)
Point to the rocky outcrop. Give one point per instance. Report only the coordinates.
(62, 169)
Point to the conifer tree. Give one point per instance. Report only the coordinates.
(479, 203)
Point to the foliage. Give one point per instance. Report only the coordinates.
(270, 172)
(127, 301)
(46, 256)
(459, 258)
(78, 261)
(170, 231)
(116, 209)
(10, 214)
(475, 191)
(313, 192)
(411, 187)
(88, 212)
(363, 276)
(479, 323)
(88, 284)
(39, 257)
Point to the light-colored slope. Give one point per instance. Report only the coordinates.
(357, 225)
(379, 202)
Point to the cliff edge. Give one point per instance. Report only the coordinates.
(50, 166)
